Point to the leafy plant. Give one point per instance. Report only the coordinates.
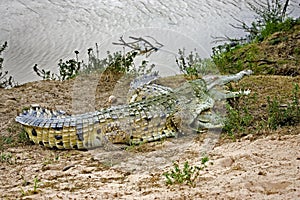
(45, 75)
(114, 62)
(284, 116)
(237, 120)
(6, 157)
(271, 17)
(194, 66)
(67, 70)
(52, 158)
(4, 80)
(16, 136)
(36, 183)
(187, 175)
(7, 139)
(22, 137)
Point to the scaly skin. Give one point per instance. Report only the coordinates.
(143, 120)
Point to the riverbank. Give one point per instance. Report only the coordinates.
(269, 156)
(255, 163)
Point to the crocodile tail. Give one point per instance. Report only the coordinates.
(49, 128)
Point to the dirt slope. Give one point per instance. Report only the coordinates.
(261, 165)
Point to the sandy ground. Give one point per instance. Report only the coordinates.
(256, 166)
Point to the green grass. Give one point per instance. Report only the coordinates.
(16, 136)
(35, 190)
(237, 120)
(6, 157)
(284, 116)
(241, 120)
(247, 52)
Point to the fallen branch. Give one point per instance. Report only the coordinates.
(140, 44)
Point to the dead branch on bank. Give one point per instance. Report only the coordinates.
(140, 44)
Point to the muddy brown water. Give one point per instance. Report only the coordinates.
(42, 32)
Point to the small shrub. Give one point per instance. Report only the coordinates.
(187, 175)
(4, 80)
(237, 120)
(22, 137)
(6, 157)
(7, 139)
(204, 160)
(16, 136)
(271, 17)
(116, 62)
(284, 116)
(45, 75)
(194, 66)
(67, 70)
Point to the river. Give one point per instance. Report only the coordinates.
(44, 31)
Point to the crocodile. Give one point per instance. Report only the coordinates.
(154, 112)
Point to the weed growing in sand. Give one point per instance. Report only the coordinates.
(7, 139)
(187, 175)
(22, 137)
(36, 183)
(6, 157)
(52, 158)
(286, 115)
(204, 160)
(16, 135)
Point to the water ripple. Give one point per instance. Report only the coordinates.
(42, 32)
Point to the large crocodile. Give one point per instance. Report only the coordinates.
(145, 118)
